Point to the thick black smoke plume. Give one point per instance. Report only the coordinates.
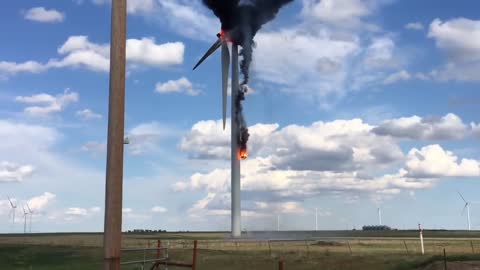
(241, 20)
(241, 123)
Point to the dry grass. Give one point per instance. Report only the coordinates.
(216, 251)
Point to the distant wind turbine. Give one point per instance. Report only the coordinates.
(379, 216)
(278, 222)
(467, 206)
(14, 208)
(30, 212)
(25, 214)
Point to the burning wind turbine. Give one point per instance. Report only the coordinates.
(241, 20)
(237, 114)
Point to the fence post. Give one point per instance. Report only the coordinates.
(349, 247)
(194, 263)
(166, 250)
(445, 258)
(406, 248)
(269, 248)
(473, 249)
(144, 258)
(281, 264)
(159, 245)
(158, 253)
(308, 249)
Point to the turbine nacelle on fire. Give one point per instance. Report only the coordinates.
(221, 42)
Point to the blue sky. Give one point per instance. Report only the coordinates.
(355, 104)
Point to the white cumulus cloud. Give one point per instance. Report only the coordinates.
(75, 211)
(182, 85)
(336, 145)
(87, 114)
(349, 157)
(80, 52)
(475, 129)
(290, 58)
(40, 202)
(402, 75)
(418, 26)
(79, 213)
(448, 127)
(264, 185)
(12, 68)
(345, 13)
(12, 172)
(380, 53)
(41, 14)
(434, 161)
(159, 209)
(187, 18)
(144, 138)
(94, 147)
(45, 104)
(146, 51)
(133, 6)
(460, 39)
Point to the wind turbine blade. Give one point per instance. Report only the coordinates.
(29, 210)
(465, 207)
(11, 203)
(462, 196)
(225, 68)
(212, 49)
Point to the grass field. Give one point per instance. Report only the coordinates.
(357, 250)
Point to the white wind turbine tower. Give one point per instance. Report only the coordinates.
(379, 215)
(467, 206)
(25, 214)
(14, 209)
(30, 212)
(420, 230)
(278, 222)
(316, 219)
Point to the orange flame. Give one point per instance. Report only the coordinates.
(223, 35)
(242, 153)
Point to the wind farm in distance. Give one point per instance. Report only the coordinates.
(374, 246)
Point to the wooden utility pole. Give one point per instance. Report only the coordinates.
(445, 259)
(112, 240)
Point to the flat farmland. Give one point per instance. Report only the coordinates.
(394, 250)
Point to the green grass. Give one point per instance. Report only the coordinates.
(53, 258)
(424, 262)
(49, 258)
(216, 251)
